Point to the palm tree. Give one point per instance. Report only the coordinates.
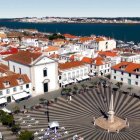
(119, 84)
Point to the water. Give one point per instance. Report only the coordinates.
(125, 32)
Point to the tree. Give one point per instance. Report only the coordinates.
(15, 128)
(16, 109)
(119, 84)
(75, 88)
(130, 90)
(26, 135)
(42, 100)
(7, 119)
(84, 87)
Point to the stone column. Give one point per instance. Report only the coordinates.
(111, 110)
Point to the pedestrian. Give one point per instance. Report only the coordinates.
(24, 107)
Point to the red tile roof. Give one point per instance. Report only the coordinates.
(12, 79)
(87, 60)
(98, 61)
(72, 57)
(108, 53)
(23, 57)
(70, 36)
(54, 56)
(128, 67)
(69, 65)
(5, 69)
(51, 48)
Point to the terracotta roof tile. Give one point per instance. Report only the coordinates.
(128, 67)
(12, 79)
(108, 53)
(69, 65)
(98, 61)
(87, 60)
(51, 48)
(23, 57)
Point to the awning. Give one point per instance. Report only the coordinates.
(71, 81)
(6, 110)
(85, 77)
(79, 79)
(20, 95)
(65, 83)
(53, 124)
(1, 135)
(3, 100)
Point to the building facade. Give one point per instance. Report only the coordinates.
(42, 71)
(126, 72)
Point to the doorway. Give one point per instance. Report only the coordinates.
(45, 87)
(8, 99)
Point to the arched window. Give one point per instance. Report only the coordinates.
(45, 72)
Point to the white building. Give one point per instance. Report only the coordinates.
(71, 72)
(99, 66)
(30, 41)
(130, 57)
(126, 72)
(50, 50)
(103, 44)
(14, 87)
(42, 71)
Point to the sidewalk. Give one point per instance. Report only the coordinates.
(35, 100)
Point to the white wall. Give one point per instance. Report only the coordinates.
(24, 69)
(18, 90)
(125, 77)
(111, 44)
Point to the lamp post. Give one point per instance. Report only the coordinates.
(48, 117)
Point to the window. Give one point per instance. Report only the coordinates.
(136, 83)
(59, 77)
(108, 70)
(20, 70)
(21, 87)
(73, 75)
(14, 89)
(122, 72)
(129, 74)
(114, 71)
(69, 75)
(8, 91)
(45, 72)
(0, 92)
(121, 79)
(14, 68)
(137, 76)
(27, 85)
(114, 77)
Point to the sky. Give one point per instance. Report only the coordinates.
(69, 8)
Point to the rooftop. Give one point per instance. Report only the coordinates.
(12, 79)
(68, 65)
(128, 54)
(23, 57)
(128, 67)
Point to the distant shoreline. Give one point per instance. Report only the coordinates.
(72, 23)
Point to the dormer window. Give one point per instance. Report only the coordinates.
(20, 81)
(6, 83)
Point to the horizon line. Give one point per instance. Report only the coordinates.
(69, 17)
